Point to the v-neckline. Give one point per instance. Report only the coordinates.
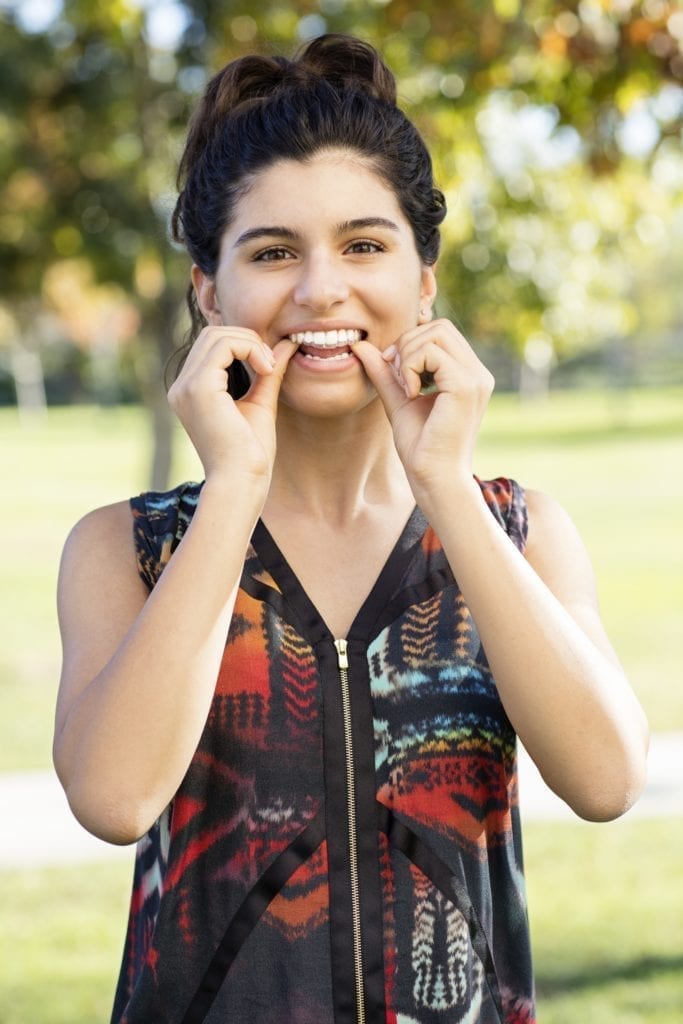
(273, 559)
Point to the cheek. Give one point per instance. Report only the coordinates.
(240, 303)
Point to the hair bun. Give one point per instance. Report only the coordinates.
(241, 82)
(342, 61)
(348, 62)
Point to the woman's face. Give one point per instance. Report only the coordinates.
(317, 250)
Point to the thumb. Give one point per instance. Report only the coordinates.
(383, 376)
(265, 389)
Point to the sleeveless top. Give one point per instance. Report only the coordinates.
(345, 846)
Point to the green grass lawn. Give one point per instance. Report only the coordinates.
(611, 458)
(606, 920)
(61, 939)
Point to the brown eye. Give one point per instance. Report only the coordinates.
(273, 254)
(365, 246)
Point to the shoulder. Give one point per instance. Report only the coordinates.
(555, 548)
(99, 547)
(98, 573)
(548, 522)
(133, 534)
(110, 524)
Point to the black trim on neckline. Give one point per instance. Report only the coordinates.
(415, 594)
(364, 625)
(310, 622)
(260, 591)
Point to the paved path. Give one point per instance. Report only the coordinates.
(37, 827)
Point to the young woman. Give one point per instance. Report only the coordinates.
(325, 802)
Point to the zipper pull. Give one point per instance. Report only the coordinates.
(342, 656)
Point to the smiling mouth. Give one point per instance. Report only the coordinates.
(326, 344)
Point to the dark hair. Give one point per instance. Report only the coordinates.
(336, 92)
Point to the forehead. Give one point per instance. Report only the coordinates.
(334, 186)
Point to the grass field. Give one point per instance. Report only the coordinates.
(606, 901)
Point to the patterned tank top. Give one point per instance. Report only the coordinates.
(345, 846)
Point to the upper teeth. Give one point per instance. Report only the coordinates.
(326, 339)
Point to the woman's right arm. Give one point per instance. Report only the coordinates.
(139, 669)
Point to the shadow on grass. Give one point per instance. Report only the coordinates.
(599, 975)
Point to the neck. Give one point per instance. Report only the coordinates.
(334, 470)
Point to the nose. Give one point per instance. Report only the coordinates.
(322, 283)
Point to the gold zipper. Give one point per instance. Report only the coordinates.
(343, 662)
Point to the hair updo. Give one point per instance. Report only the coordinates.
(335, 93)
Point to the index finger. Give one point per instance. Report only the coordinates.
(220, 346)
(383, 376)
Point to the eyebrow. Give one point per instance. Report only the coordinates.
(277, 231)
(367, 222)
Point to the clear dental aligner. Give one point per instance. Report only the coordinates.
(326, 339)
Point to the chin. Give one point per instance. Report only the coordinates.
(330, 403)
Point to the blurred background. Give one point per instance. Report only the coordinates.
(556, 134)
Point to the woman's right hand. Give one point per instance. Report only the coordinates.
(231, 436)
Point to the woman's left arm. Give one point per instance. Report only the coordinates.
(537, 614)
(557, 674)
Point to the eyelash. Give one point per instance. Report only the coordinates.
(278, 252)
(271, 255)
(369, 246)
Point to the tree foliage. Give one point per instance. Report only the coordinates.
(555, 128)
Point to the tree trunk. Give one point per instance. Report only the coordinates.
(29, 383)
(162, 434)
(163, 421)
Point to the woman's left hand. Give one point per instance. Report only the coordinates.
(435, 430)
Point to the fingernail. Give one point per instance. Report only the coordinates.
(389, 353)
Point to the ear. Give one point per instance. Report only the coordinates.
(205, 290)
(427, 293)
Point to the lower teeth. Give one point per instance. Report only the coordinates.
(326, 359)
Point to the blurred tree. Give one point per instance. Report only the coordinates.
(555, 128)
(91, 115)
